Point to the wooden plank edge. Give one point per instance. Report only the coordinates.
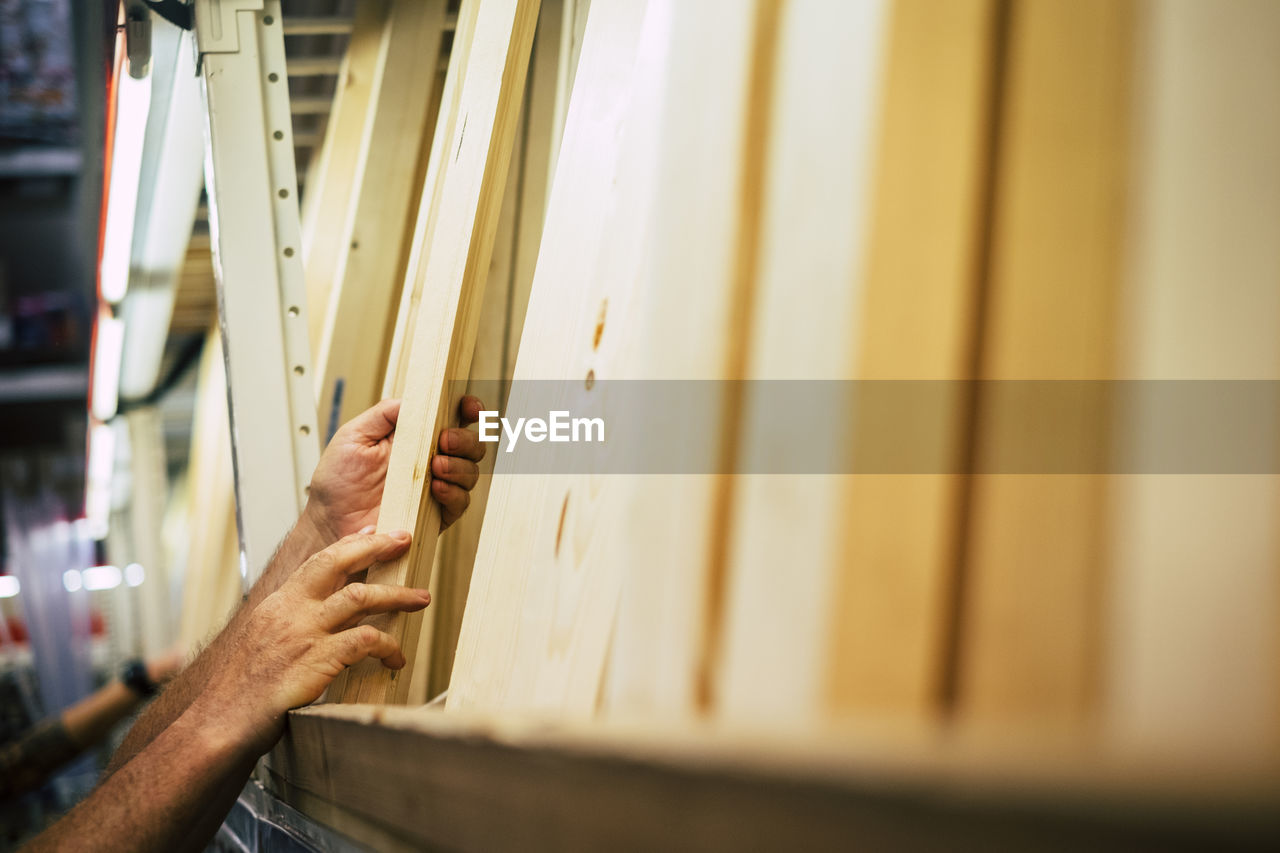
(475, 782)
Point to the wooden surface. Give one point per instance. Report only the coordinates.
(806, 325)
(374, 237)
(456, 266)
(501, 321)
(208, 593)
(698, 293)
(446, 781)
(895, 574)
(1033, 571)
(543, 593)
(1194, 626)
(395, 375)
(331, 181)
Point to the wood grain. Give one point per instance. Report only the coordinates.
(542, 644)
(331, 180)
(919, 310)
(349, 362)
(1034, 570)
(1194, 627)
(456, 266)
(699, 290)
(807, 324)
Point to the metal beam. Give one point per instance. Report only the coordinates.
(252, 188)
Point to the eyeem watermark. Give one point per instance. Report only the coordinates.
(558, 427)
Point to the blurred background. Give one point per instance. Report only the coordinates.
(92, 493)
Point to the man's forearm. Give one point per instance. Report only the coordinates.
(153, 801)
(302, 541)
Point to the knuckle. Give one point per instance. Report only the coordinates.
(357, 594)
(367, 636)
(324, 561)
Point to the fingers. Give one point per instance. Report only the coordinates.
(328, 569)
(462, 443)
(372, 425)
(452, 469)
(355, 601)
(469, 409)
(453, 501)
(365, 641)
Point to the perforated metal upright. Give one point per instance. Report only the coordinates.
(252, 185)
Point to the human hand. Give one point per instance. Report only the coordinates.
(303, 635)
(346, 488)
(456, 469)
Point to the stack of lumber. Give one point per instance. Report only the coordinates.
(982, 198)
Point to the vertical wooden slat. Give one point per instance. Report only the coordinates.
(541, 605)
(501, 320)
(699, 287)
(207, 595)
(919, 315)
(816, 195)
(349, 362)
(1194, 659)
(329, 195)
(1033, 570)
(443, 339)
(446, 128)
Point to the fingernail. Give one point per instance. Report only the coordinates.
(367, 529)
(402, 535)
(424, 595)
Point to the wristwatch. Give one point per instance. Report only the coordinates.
(134, 675)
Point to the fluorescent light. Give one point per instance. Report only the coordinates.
(101, 577)
(9, 586)
(98, 470)
(133, 102)
(134, 574)
(168, 195)
(107, 352)
(72, 581)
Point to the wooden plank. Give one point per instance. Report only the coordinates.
(888, 651)
(438, 163)
(456, 264)
(349, 366)
(455, 556)
(397, 358)
(447, 781)
(330, 195)
(1033, 572)
(805, 326)
(212, 522)
(536, 628)
(698, 287)
(573, 22)
(539, 153)
(501, 319)
(150, 493)
(1195, 624)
